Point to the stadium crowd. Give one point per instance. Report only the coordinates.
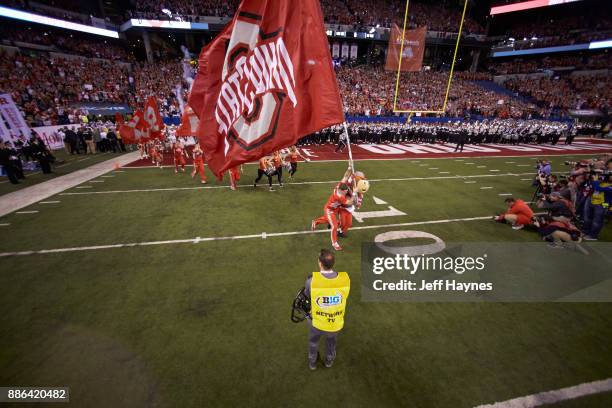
(369, 90)
(567, 92)
(525, 66)
(72, 43)
(357, 13)
(46, 89)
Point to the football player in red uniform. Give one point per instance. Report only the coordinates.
(340, 198)
(179, 156)
(198, 163)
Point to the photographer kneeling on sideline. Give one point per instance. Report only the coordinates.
(518, 215)
(328, 291)
(559, 208)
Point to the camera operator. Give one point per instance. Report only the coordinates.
(543, 167)
(598, 204)
(559, 208)
(328, 291)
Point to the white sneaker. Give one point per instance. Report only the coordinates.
(336, 246)
(518, 226)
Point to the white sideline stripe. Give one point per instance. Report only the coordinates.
(504, 194)
(485, 188)
(510, 162)
(83, 187)
(552, 397)
(96, 181)
(291, 184)
(522, 165)
(469, 182)
(433, 168)
(86, 158)
(494, 170)
(48, 202)
(208, 239)
(526, 179)
(556, 153)
(5, 224)
(481, 167)
(107, 176)
(27, 212)
(444, 172)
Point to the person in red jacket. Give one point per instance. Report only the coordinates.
(518, 215)
(198, 163)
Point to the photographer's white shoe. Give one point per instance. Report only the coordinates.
(518, 226)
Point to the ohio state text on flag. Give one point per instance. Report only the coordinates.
(412, 52)
(266, 81)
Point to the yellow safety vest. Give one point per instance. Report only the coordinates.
(328, 301)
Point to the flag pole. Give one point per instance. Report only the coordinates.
(348, 142)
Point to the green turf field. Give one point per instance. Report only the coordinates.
(206, 323)
(65, 164)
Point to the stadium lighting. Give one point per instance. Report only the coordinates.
(166, 11)
(54, 22)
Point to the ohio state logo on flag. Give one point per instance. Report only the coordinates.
(258, 76)
(264, 82)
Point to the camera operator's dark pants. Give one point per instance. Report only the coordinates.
(593, 219)
(314, 335)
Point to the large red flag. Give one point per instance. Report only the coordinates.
(119, 119)
(412, 51)
(135, 130)
(264, 82)
(153, 118)
(189, 123)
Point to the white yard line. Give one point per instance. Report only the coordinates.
(27, 212)
(96, 181)
(526, 179)
(469, 182)
(553, 397)
(486, 188)
(531, 154)
(49, 202)
(19, 199)
(6, 224)
(444, 172)
(83, 187)
(481, 167)
(108, 176)
(504, 194)
(523, 165)
(289, 184)
(235, 237)
(494, 170)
